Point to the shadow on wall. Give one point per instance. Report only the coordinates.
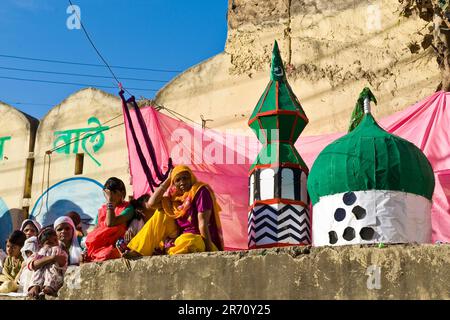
(82, 195)
(5, 224)
(61, 208)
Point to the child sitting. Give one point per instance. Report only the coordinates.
(141, 216)
(13, 262)
(29, 249)
(49, 265)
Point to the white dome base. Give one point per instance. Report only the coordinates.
(374, 216)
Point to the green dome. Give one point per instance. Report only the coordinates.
(369, 158)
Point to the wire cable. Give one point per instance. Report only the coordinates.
(86, 64)
(96, 50)
(73, 83)
(176, 114)
(28, 103)
(79, 74)
(82, 138)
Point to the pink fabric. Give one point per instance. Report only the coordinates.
(424, 124)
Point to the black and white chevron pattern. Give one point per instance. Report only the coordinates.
(278, 223)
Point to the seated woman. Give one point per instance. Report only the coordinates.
(189, 216)
(112, 222)
(67, 236)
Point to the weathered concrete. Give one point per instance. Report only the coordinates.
(332, 49)
(407, 272)
(73, 113)
(105, 154)
(17, 135)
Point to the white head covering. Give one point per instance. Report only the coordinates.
(31, 244)
(75, 250)
(34, 222)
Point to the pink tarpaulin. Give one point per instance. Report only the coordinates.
(223, 159)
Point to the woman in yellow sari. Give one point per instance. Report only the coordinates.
(185, 221)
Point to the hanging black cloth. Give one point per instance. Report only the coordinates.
(148, 143)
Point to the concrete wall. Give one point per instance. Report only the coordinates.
(349, 272)
(17, 134)
(331, 49)
(56, 187)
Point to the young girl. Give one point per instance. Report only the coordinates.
(48, 273)
(29, 249)
(30, 228)
(141, 216)
(112, 222)
(66, 232)
(13, 262)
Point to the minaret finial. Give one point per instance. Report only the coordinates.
(362, 107)
(366, 105)
(277, 70)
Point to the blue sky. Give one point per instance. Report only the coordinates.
(154, 34)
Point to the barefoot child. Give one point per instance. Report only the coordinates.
(49, 265)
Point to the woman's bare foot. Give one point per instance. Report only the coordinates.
(33, 292)
(130, 254)
(49, 291)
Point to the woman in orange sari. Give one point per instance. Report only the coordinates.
(112, 222)
(185, 221)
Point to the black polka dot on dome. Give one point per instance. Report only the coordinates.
(349, 198)
(367, 233)
(349, 234)
(359, 212)
(333, 237)
(339, 214)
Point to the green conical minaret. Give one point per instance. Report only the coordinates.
(278, 197)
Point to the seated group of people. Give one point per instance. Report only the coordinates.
(37, 258)
(186, 220)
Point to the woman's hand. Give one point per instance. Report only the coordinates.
(107, 194)
(166, 183)
(155, 199)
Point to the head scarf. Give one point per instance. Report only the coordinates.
(34, 222)
(176, 206)
(31, 244)
(75, 250)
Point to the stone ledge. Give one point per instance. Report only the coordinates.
(406, 272)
